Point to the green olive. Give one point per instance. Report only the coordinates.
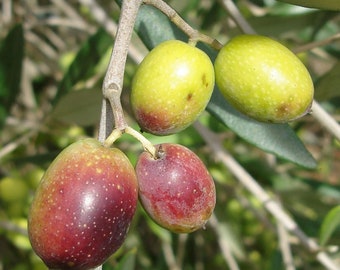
(263, 79)
(171, 87)
(12, 190)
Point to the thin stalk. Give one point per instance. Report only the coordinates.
(148, 146)
(193, 34)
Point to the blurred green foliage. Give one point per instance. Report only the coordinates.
(52, 65)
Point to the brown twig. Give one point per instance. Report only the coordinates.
(316, 44)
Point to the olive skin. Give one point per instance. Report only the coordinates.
(263, 79)
(176, 189)
(83, 206)
(171, 87)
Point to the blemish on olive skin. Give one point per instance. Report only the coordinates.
(189, 96)
(282, 110)
(204, 80)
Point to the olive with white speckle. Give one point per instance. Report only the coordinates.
(83, 206)
(263, 79)
(171, 87)
(176, 189)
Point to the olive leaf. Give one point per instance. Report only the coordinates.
(330, 224)
(85, 62)
(11, 55)
(321, 4)
(327, 86)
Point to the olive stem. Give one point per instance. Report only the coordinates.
(115, 134)
(148, 146)
(193, 34)
(113, 81)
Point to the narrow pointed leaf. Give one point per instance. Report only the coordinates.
(330, 224)
(327, 86)
(153, 27)
(321, 4)
(128, 261)
(84, 64)
(11, 55)
(278, 139)
(79, 107)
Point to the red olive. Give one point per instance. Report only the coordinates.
(176, 189)
(83, 206)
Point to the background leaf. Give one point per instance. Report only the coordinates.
(153, 28)
(322, 4)
(278, 139)
(272, 25)
(330, 224)
(327, 86)
(80, 107)
(11, 56)
(127, 262)
(84, 64)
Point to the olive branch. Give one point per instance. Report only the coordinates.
(113, 123)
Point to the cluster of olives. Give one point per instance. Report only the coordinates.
(259, 76)
(87, 198)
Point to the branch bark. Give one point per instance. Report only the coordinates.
(112, 112)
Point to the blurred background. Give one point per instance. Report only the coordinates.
(53, 57)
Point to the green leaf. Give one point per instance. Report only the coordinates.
(278, 139)
(329, 225)
(80, 107)
(161, 233)
(321, 4)
(154, 27)
(11, 55)
(327, 86)
(128, 261)
(84, 64)
(276, 25)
